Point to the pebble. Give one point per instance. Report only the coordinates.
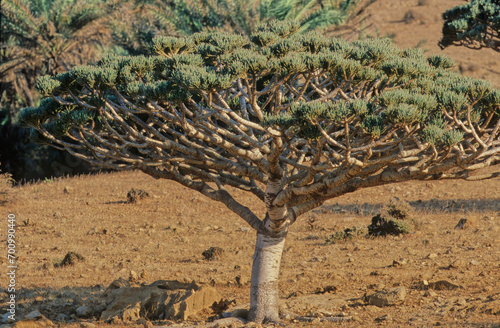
(383, 318)
(33, 315)
(87, 325)
(457, 264)
(145, 323)
(430, 293)
(387, 297)
(399, 262)
(5, 317)
(83, 311)
(62, 317)
(432, 256)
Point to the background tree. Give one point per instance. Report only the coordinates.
(475, 25)
(293, 119)
(49, 36)
(136, 22)
(40, 37)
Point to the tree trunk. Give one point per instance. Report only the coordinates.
(264, 296)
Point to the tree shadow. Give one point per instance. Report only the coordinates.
(52, 302)
(463, 206)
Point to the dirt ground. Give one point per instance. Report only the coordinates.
(164, 235)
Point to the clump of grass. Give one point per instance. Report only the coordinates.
(213, 253)
(70, 259)
(346, 234)
(6, 183)
(136, 195)
(396, 218)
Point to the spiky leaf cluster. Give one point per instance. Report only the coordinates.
(324, 115)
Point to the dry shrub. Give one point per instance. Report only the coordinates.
(6, 183)
(213, 253)
(395, 218)
(136, 195)
(346, 234)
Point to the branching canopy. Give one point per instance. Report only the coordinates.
(475, 25)
(321, 116)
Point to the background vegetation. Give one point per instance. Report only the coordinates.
(42, 37)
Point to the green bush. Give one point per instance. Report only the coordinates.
(396, 218)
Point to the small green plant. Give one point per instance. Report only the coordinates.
(6, 183)
(395, 218)
(346, 234)
(49, 180)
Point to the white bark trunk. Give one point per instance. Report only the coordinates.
(264, 296)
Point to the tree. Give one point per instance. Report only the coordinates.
(40, 37)
(46, 37)
(474, 25)
(136, 22)
(293, 119)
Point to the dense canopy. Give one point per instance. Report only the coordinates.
(321, 115)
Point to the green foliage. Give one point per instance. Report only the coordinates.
(475, 24)
(346, 235)
(229, 93)
(191, 64)
(395, 218)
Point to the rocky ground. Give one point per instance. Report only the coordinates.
(439, 274)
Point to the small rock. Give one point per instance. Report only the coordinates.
(383, 318)
(144, 275)
(67, 190)
(457, 264)
(461, 302)
(5, 317)
(145, 323)
(464, 223)
(430, 293)
(474, 262)
(87, 325)
(431, 256)
(387, 297)
(62, 317)
(492, 307)
(133, 276)
(33, 315)
(399, 262)
(442, 285)
(213, 253)
(83, 312)
(71, 258)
